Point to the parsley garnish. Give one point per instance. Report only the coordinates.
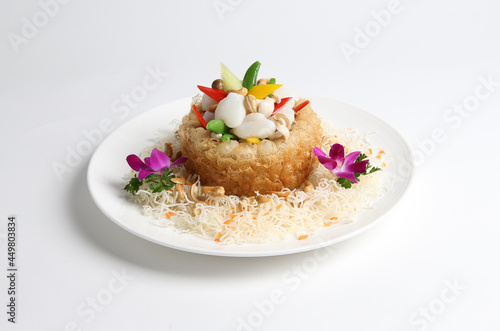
(156, 183)
(133, 185)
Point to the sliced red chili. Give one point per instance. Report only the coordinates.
(301, 105)
(200, 118)
(215, 94)
(278, 106)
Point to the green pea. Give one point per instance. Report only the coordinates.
(217, 126)
(250, 77)
(228, 136)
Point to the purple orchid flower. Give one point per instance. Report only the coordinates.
(156, 163)
(342, 167)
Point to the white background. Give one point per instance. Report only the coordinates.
(432, 264)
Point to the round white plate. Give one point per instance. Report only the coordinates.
(108, 166)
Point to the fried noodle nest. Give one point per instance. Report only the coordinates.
(246, 168)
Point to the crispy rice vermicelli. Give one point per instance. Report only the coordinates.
(240, 220)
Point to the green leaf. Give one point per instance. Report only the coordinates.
(344, 182)
(151, 178)
(166, 179)
(372, 170)
(167, 174)
(133, 185)
(156, 187)
(361, 157)
(158, 184)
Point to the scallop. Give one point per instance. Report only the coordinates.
(231, 110)
(255, 125)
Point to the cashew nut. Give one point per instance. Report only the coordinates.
(283, 120)
(179, 180)
(281, 194)
(180, 191)
(250, 103)
(214, 191)
(262, 199)
(195, 211)
(243, 91)
(263, 81)
(276, 97)
(194, 195)
(283, 131)
(308, 186)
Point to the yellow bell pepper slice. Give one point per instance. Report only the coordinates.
(261, 91)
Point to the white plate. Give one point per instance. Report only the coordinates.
(108, 165)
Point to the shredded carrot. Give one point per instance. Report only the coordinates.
(254, 218)
(229, 221)
(333, 218)
(219, 235)
(278, 207)
(327, 223)
(266, 214)
(170, 144)
(378, 156)
(170, 214)
(383, 164)
(232, 215)
(231, 207)
(370, 150)
(381, 152)
(304, 236)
